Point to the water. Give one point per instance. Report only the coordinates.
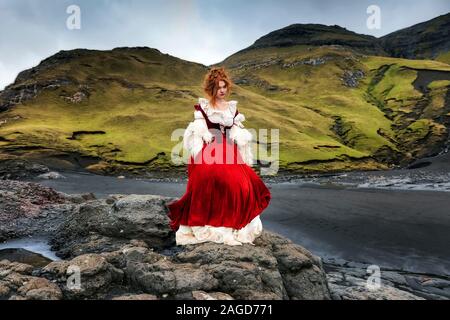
(33, 251)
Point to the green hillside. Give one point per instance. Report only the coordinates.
(119, 106)
(336, 108)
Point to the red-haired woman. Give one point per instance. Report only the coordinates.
(224, 196)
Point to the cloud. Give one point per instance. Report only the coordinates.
(204, 31)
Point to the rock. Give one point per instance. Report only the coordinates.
(13, 168)
(17, 284)
(154, 273)
(24, 256)
(78, 96)
(4, 291)
(203, 271)
(347, 280)
(202, 295)
(143, 296)
(260, 272)
(28, 208)
(96, 275)
(51, 175)
(122, 247)
(353, 288)
(107, 224)
(7, 266)
(80, 198)
(308, 61)
(40, 289)
(351, 78)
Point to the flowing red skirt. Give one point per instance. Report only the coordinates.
(219, 193)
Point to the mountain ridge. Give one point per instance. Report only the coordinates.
(337, 108)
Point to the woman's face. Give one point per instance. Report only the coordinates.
(222, 90)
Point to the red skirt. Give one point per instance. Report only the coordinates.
(222, 190)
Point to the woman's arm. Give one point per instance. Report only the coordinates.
(195, 134)
(243, 138)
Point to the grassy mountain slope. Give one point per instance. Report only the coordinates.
(338, 109)
(119, 106)
(340, 106)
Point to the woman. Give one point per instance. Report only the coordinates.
(224, 196)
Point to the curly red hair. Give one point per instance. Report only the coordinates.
(211, 83)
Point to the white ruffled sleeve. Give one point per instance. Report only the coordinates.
(239, 119)
(195, 134)
(243, 138)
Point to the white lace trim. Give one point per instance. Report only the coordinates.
(192, 235)
(224, 117)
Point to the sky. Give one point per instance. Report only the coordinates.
(203, 31)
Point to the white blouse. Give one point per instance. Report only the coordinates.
(197, 131)
(223, 117)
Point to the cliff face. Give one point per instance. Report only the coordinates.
(426, 40)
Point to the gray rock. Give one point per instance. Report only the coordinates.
(96, 276)
(51, 175)
(15, 168)
(28, 208)
(17, 283)
(105, 225)
(347, 280)
(142, 296)
(351, 78)
(352, 288)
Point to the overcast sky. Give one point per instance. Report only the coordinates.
(204, 31)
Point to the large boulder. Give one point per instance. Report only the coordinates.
(17, 283)
(274, 268)
(107, 224)
(31, 209)
(351, 281)
(95, 274)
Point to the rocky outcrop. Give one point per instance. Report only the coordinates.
(351, 78)
(122, 247)
(97, 225)
(349, 281)
(273, 269)
(17, 283)
(28, 208)
(14, 168)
